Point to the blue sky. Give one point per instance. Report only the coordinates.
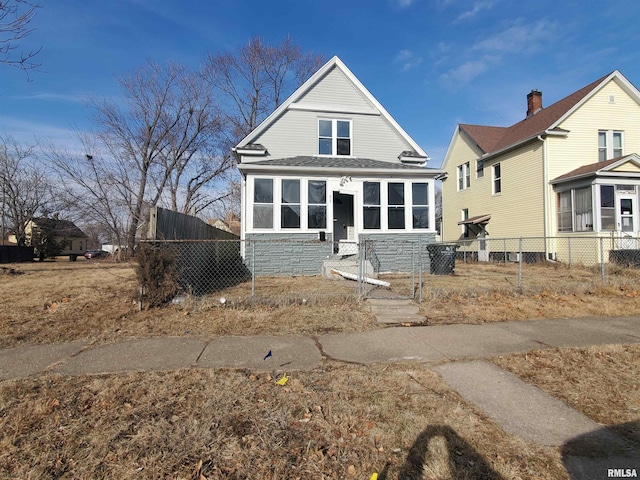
(431, 63)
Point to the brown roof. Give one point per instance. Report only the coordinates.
(586, 169)
(63, 228)
(493, 139)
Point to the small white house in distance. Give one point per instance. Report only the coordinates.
(331, 167)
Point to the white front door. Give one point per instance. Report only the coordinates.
(627, 220)
(483, 249)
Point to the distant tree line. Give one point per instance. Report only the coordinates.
(165, 141)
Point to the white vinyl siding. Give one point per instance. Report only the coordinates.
(336, 89)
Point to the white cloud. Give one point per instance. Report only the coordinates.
(407, 59)
(520, 37)
(55, 97)
(465, 73)
(475, 9)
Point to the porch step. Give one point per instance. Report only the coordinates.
(389, 310)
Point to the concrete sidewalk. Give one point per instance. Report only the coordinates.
(432, 344)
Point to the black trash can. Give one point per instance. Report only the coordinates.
(442, 258)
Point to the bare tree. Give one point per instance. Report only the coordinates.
(90, 185)
(255, 80)
(25, 188)
(158, 146)
(15, 20)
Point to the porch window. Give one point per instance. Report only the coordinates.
(420, 201)
(396, 205)
(564, 212)
(263, 203)
(607, 208)
(334, 137)
(583, 210)
(609, 144)
(317, 204)
(290, 208)
(371, 213)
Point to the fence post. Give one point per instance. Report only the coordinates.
(569, 249)
(504, 249)
(361, 270)
(520, 265)
(413, 270)
(602, 258)
(420, 275)
(253, 272)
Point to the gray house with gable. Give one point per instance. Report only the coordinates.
(331, 168)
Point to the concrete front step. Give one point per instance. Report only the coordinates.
(391, 318)
(389, 310)
(395, 310)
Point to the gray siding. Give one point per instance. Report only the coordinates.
(296, 133)
(336, 89)
(286, 254)
(397, 252)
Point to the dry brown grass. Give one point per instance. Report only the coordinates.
(97, 301)
(480, 293)
(62, 301)
(602, 382)
(401, 422)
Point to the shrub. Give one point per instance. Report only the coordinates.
(156, 272)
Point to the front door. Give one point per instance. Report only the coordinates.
(627, 220)
(483, 250)
(343, 224)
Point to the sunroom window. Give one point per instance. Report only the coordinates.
(420, 200)
(371, 209)
(317, 208)
(263, 203)
(396, 205)
(290, 209)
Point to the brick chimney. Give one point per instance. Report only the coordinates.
(534, 102)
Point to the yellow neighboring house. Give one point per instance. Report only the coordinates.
(72, 240)
(570, 169)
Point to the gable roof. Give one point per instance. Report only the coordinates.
(492, 140)
(599, 167)
(64, 228)
(335, 62)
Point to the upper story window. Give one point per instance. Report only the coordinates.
(464, 176)
(497, 179)
(334, 137)
(479, 168)
(609, 144)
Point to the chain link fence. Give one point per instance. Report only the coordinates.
(285, 272)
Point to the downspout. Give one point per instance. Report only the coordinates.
(545, 196)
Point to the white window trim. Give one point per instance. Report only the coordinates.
(408, 206)
(277, 205)
(334, 138)
(609, 144)
(464, 173)
(494, 178)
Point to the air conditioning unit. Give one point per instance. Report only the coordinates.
(514, 257)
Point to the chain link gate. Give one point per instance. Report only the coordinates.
(398, 263)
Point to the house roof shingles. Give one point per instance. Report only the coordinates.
(60, 227)
(334, 162)
(586, 169)
(493, 139)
